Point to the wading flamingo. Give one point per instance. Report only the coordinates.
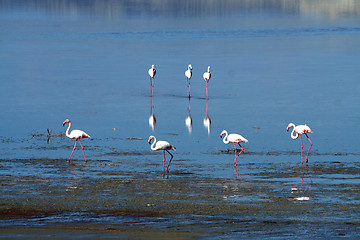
(162, 145)
(234, 138)
(152, 73)
(75, 134)
(188, 74)
(207, 76)
(299, 130)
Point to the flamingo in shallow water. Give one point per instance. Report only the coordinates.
(234, 138)
(207, 76)
(75, 134)
(188, 74)
(152, 73)
(162, 145)
(300, 130)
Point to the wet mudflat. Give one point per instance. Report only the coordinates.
(124, 195)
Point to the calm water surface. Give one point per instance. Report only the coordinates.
(272, 62)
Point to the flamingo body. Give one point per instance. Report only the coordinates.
(152, 71)
(188, 72)
(164, 146)
(75, 134)
(298, 131)
(207, 75)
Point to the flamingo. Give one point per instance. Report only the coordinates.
(75, 134)
(188, 74)
(300, 130)
(162, 145)
(152, 73)
(207, 76)
(234, 138)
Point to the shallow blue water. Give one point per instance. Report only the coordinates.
(271, 64)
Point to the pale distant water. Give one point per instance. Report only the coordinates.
(272, 63)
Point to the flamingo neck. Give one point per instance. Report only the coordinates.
(294, 134)
(225, 140)
(153, 145)
(67, 131)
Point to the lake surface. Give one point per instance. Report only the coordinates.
(272, 63)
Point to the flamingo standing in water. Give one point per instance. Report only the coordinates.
(234, 138)
(162, 145)
(75, 134)
(300, 130)
(152, 73)
(207, 76)
(188, 74)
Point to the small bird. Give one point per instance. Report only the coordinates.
(234, 138)
(300, 130)
(152, 73)
(162, 145)
(207, 76)
(75, 134)
(188, 74)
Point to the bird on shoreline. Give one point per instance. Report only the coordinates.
(164, 146)
(299, 130)
(77, 135)
(234, 138)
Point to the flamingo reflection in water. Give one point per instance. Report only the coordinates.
(152, 118)
(207, 119)
(188, 119)
(300, 194)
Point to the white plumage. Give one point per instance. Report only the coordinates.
(299, 129)
(188, 72)
(207, 75)
(232, 138)
(152, 71)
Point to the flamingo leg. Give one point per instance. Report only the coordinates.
(167, 169)
(164, 165)
(82, 150)
(302, 147)
(72, 150)
(207, 90)
(309, 147)
(236, 156)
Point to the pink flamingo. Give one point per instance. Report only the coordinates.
(234, 138)
(207, 76)
(162, 145)
(75, 134)
(152, 73)
(299, 130)
(188, 74)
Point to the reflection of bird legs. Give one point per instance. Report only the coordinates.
(82, 175)
(302, 177)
